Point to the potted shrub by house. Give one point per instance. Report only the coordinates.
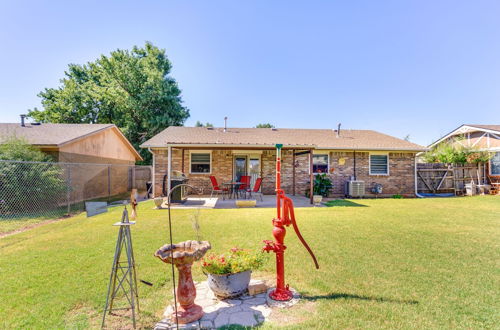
(321, 187)
(229, 274)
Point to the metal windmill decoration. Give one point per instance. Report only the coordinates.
(123, 278)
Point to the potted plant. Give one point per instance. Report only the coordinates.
(229, 274)
(321, 187)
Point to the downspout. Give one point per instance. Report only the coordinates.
(416, 180)
(153, 174)
(354, 166)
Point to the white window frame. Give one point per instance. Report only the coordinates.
(328, 162)
(493, 174)
(200, 152)
(370, 163)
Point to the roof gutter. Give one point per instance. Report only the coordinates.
(220, 145)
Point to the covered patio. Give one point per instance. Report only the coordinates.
(207, 202)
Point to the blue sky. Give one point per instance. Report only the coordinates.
(400, 67)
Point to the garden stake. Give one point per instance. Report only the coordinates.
(285, 217)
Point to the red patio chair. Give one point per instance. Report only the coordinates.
(256, 188)
(215, 187)
(245, 184)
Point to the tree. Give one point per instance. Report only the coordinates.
(131, 89)
(200, 124)
(28, 178)
(452, 152)
(266, 125)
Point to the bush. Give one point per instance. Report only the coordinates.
(28, 183)
(321, 185)
(237, 261)
(453, 152)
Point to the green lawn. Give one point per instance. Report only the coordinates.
(410, 263)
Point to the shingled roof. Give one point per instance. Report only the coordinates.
(289, 137)
(489, 127)
(49, 134)
(56, 135)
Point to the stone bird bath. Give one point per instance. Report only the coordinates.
(182, 255)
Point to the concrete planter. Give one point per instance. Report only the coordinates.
(230, 285)
(158, 201)
(246, 203)
(317, 199)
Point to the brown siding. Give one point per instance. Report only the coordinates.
(104, 147)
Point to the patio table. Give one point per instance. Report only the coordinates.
(232, 188)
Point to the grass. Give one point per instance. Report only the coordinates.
(410, 263)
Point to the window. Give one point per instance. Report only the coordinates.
(320, 163)
(495, 164)
(200, 162)
(379, 164)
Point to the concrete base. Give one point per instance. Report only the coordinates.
(282, 304)
(244, 311)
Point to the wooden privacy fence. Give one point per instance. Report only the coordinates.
(444, 178)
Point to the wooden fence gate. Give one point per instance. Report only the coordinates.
(444, 178)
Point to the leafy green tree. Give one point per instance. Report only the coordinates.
(26, 177)
(200, 124)
(452, 152)
(19, 149)
(131, 89)
(265, 125)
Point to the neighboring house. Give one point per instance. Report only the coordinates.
(85, 147)
(76, 143)
(229, 153)
(484, 137)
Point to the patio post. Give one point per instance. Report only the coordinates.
(293, 173)
(311, 176)
(169, 167)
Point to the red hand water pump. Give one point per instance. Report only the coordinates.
(285, 217)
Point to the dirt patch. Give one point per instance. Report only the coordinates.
(31, 226)
(299, 313)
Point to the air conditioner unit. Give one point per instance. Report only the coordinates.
(355, 188)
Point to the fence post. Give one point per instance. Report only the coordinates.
(134, 186)
(68, 189)
(109, 181)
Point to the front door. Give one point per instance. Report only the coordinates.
(240, 167)
(253, 169)
(247, 165)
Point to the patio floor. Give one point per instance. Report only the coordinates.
(207, 202)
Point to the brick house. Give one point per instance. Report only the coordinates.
(229, 153)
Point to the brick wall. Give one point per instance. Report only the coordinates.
(400, 181)
(401, 178)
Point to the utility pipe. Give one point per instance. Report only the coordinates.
(416, 181)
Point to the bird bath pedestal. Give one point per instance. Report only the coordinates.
(182, 255)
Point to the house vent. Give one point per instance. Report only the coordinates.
(355, 188)
(274, 129)
(210, 128)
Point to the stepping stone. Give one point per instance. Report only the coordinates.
(255, 301)
(245, 319)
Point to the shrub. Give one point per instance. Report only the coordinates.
(452, 152)
(28, 183)
(237, 261)
(321, 185)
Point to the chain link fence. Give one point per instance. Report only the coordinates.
(52, 190)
